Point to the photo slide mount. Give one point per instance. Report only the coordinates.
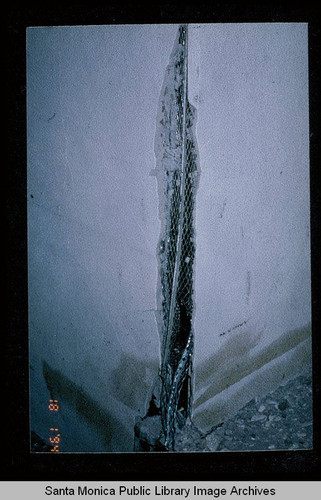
(20, 464)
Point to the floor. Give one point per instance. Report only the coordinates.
(282, 420)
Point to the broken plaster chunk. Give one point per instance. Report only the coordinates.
(149, 429)
(257, 418)
(212, 442)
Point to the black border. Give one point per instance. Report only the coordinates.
(19, 463)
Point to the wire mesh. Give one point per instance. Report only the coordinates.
(177, 249)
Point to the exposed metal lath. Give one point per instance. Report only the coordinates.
(177, 247)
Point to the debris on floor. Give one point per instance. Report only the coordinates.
(282, 420)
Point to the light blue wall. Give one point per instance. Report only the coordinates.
(253, 257)
(252, 276)
(93, 219)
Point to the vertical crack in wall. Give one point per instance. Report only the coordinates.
(177, 181)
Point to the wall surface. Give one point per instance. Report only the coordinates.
(93, 227)
(252, 279)
(93, 223)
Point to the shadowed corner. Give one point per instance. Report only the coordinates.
(98, 418)
(215, 376)
(223, 390)
(139, 373)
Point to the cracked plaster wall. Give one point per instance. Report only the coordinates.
(93, 222)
